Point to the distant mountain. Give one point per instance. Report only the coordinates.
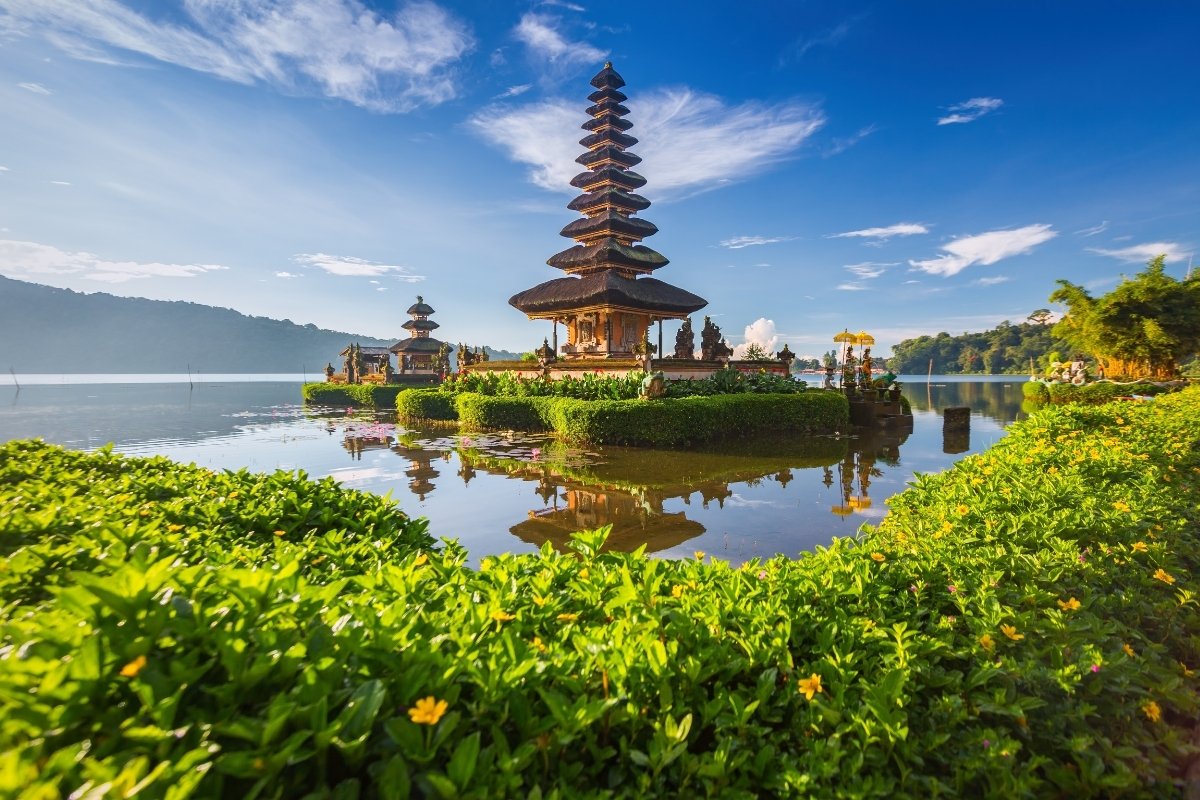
(49, 330)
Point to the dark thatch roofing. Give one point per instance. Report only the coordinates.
(626, 179)
(420, 308)
(609, 153)
(608, 78)
(607, 288)
(610, 195)
(368, 352)
(607, 94)
(422, 344)
(420, 325)
(606, 107)
(610, 223)
(607, 121)
(608, 252)
(609, 136)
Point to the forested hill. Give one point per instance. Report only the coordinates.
(48, 330)
(1005, 349)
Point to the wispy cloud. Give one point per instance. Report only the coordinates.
(1101, 228)
(4, 169)
(61, 183)
(738, 242)
(30, 260)
(338, 48)
(851, 287)
(824, 38)
(689, 140)
(1141, 253)
(841, 145)
(971, 110)
(564, 4)
(870, 269)
(985, 248)
(992, 280)
(883, 234)
(287, 275)
(356, 267)
(513, 91)
(540, 34)
(36, 88)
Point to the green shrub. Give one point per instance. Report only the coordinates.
(1096, 393)
(425, 404)
(1035, 391)
(1022, 625)
(484, 412)
(351, 394)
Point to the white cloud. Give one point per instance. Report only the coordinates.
(287, 275)
(537, 32)
(513, 91)
(869, 269)
(993, 280)
(61, 183)
(883, 234)
(851, 287)
(356, 267)
(36, 88)
(30, 260)
(1101, 228)
(760, 332)
(3, 169)
(841, 145)
(985, 248)
(340, 48)
(738, 242)
(971, 110)
(561, 4)
(1141, 253)
(689, 140)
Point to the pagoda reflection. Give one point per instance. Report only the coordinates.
(859, 466)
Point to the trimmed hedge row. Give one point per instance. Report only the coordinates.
(352, 394)
(1022, 625)
(1089, 393)
(426, 404)
(658, 423)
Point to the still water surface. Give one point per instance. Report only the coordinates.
(511, 492)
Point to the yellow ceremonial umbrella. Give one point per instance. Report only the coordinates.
(845, 337)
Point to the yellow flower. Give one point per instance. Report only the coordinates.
(174, 528)
(539, 601)
(1011, 632)
(987, 641)
(947, 527)
(1069, 605)
(677, 590)
(1186, 672)
(962, 510)
(1121, 505)
(567, 617)
(233, 495)
(537, 642)
(699, 554)
(280, 533)
(1139, 547)
(131, 669)
(1161, 575)
(1129, 651)
(1152, 711)
(420, 559)
(878, 557)
(502, 616)
(583, 574)
(811, 686)
(427, 711)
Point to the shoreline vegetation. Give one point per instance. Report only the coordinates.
(1023, 624)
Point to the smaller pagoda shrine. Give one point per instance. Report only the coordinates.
(607, 301)
(420, 353)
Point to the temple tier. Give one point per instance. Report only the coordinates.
(420, 352)
(607, 303)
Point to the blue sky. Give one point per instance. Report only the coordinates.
(903, 168)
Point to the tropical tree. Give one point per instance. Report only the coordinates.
(1143, 328)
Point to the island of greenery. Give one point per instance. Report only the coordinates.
(1024, 624)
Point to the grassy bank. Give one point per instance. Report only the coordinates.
(1024, 624)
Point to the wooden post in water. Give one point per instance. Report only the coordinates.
(956, 429)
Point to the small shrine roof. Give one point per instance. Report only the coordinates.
(420, 308)
(609, 223)
(610, 195)
(607, 120)
(609, 136)
(625, 178)
(420, 325)
(608, 252)
(368, 351)
(423, 344)
(608, 153)
(607, 289)
(607, 93)
(608, 77)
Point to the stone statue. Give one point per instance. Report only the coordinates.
(712, 348)
(329, 370)
(654, 386)
(386, 368)
(481, 354)
(685, 340)
(358, 364)
(443, 359)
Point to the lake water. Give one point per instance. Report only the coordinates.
(511, 492)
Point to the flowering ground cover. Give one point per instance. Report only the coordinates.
(1024, 624)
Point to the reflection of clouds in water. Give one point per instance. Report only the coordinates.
(873, 513)
(348, 477)
(738, 501)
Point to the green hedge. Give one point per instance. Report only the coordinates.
(1024, 624)
(1097, 393)
(662, 423)
(351, 394)
(426, 404)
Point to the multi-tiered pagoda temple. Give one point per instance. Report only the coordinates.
(420, 352)
(606, 301)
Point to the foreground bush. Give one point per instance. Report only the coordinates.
(1097, 393)
(351, 394)
(652, 423)
(1022, 625)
